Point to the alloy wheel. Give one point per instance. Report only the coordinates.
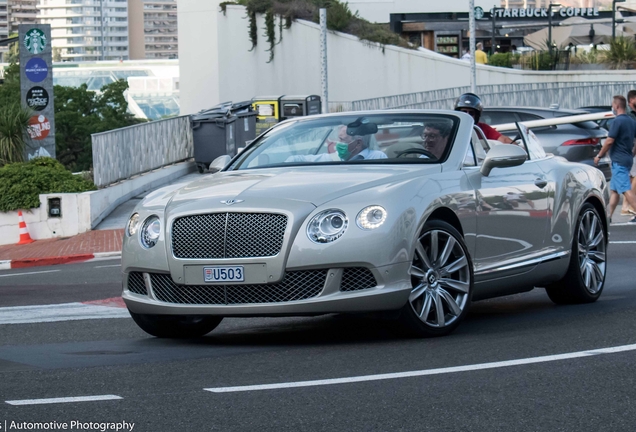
(440, 275)
(591, 249)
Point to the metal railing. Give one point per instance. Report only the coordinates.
(566, 95)
(122, 153)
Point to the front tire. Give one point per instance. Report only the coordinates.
(442, 278)
(585, 277)
(176, 326)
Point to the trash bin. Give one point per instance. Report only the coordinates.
(267, 112)
(245, 123)
(297, 106)
(213, 135)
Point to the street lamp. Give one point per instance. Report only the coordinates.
(614, 17)
(550, 6)
(493, 12)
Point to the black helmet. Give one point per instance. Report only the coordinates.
(470, 100)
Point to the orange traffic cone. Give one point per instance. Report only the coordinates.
(25, 238)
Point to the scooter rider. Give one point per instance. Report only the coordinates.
(472, 105)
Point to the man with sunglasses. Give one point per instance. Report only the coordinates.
(471, 105)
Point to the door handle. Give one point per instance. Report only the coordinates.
(541, 183)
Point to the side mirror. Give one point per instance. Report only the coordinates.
(503, 156)
(219, 163)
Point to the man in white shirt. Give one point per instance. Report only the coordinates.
(349, 148)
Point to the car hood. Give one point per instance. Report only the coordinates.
(315, 185)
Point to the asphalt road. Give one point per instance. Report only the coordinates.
(163, 385)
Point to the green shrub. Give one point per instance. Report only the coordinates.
(501, 60)
(621, 51)
(22, 183)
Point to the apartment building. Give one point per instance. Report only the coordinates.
(153, 29)
(86, 30)
(21, 12)
(4, 27)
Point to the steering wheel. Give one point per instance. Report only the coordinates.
(518, 136)
(415, 150)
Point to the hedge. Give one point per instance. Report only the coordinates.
(22, 183)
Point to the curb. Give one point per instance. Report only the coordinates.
(48, 261)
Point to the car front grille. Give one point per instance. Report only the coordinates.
(296, 285)
(357, 278)
(136, 283)
(228, 235)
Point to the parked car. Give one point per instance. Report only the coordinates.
(577, 142)
(605, 123)
(359, 212)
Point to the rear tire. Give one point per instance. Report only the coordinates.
(585, 277)
(176, 326)
(442, 278)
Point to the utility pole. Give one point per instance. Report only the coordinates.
(471, 43)
(614, 17)
(493, 43)
(550, 6)
(323, 61)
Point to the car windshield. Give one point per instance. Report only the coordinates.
(353, 139)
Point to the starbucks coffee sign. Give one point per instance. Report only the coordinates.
(564, 12)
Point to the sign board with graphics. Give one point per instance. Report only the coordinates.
(36, 85)
(563, 12)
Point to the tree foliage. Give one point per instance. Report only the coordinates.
(14, 119)
(80, 112)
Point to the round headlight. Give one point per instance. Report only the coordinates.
(150, 232)
(133, 224)
(371, 217)
(327, 226)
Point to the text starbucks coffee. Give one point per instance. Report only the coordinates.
(564, 12)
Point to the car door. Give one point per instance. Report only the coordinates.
(512, 216)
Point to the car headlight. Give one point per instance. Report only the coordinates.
(150, 232)
(327, 226)
(371, 217)
(133, 224)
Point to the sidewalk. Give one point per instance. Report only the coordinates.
(62, 250)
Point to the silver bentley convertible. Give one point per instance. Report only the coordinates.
(411, 215)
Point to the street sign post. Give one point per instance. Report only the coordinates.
(36, 88)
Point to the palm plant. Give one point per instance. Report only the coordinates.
(621, 51)
(14, 120)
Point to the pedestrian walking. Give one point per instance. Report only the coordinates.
(620, 146)
(631, 103)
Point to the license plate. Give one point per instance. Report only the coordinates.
(223, 274)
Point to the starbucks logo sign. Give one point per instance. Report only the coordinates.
(35, 41)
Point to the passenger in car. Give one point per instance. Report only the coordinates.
(348, 148)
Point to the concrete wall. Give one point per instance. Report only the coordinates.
(357, 69)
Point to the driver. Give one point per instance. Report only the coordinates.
(471, 105)
(435, 136)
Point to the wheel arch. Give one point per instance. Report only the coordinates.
(598, 206)
(447, 215)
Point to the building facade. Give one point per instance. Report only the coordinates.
(4, 27)
(21, 12)
(153, 31)
(86, 30)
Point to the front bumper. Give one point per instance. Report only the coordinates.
(390, 292)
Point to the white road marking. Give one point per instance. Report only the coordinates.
(425, 372)
(29, 273)
(59, 312)
(63, 400)
(113, 265)
(624, 242)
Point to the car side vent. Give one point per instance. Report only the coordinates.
(357, 278)
(136, 283)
